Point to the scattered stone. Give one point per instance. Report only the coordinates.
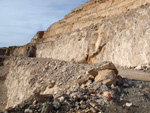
(56, 104)
(61, 99)
(47, 107)
(104, 87)
(93, 110)
(28, 111)
(51, 84)
(128, 104)
(83, 81)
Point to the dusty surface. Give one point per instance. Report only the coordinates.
(134, 74)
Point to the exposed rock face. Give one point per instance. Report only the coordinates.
(101, 30)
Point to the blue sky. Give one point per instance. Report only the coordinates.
(21, 19)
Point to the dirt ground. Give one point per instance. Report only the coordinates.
(134, 74)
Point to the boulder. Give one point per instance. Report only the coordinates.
(103, 66)
(106, 76)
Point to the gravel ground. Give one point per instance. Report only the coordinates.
(130, 97)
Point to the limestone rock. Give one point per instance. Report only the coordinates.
(107, 77)
(105, 65)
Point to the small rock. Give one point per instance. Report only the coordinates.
(128, 104)
(93, 110)
(125, 85)
(82, 102)
(83, 106)
(28, 111)
(140, 86)
(139, 67)
(55, 92)
(83, 81)
(104, 87)
(61, 99)
(91, 103)
(46, 108)
(51, 84)
(56, 104)
(79, 77)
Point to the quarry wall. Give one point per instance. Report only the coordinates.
(114, 30)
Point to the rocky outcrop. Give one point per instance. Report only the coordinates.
(100, 30)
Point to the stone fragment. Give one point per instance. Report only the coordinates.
(43, 98)
(56, 104)
(82, 102)
(107, 77)
(47, 107)
(28, 111)
(83, 81)
(51, 84)
(61, 99)
(119, 80)
(93, 110)
(83, 106)
(104, 87)
(128, 104)
(140, 86)
(139, 67)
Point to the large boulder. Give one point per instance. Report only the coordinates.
(107, 77)
(105, 65)
(105, 72)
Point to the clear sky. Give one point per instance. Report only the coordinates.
(21, 19)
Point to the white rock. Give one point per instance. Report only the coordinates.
(28, 111)
(138, 67)
(128, 104)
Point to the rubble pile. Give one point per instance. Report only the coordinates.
(102, 92)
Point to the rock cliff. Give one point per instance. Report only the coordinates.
(99, 30)
(114, 30)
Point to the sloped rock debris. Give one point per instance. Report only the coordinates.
(126, 96)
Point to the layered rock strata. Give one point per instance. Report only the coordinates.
(99, 30)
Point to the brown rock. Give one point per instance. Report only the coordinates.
(107, 77)
(83, 81)
(103, 66)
